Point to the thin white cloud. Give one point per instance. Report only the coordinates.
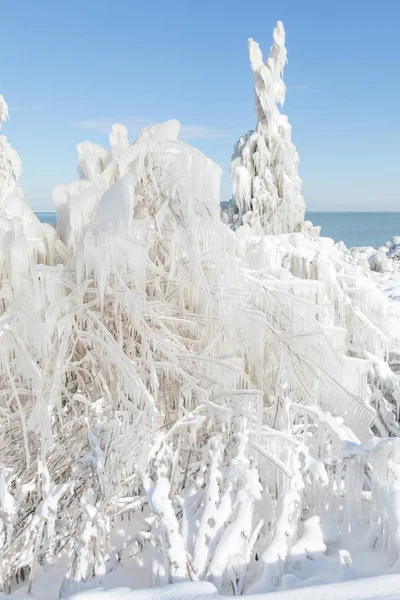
(299, 87)
(136, 124)
(33, 106)
(28, 106)
(199, 132)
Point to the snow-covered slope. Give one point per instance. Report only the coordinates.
(184, 402)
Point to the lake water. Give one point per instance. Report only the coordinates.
(357, 228)
(353, 228)
(46, 217)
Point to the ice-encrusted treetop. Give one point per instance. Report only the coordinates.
(264, 168)
(15, 214)
(106, 193)
(10, 163)
(268, 82)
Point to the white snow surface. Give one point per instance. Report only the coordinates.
(376, 588)
(372, 588)
(184, 402)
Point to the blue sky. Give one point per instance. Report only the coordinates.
(68, 68)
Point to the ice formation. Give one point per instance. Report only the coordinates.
(200, 403)
(266, 183)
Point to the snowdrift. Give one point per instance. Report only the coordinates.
(191, 400)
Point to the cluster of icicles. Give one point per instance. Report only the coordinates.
(212, 388)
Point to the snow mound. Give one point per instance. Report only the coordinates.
(177, 591)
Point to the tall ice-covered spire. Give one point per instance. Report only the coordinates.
(264, 167)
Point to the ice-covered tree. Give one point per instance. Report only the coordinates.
(264, 168)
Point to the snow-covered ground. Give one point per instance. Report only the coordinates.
(372, 588)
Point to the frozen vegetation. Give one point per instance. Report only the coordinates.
(186, 398)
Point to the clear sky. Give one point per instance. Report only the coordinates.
(68, 68)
